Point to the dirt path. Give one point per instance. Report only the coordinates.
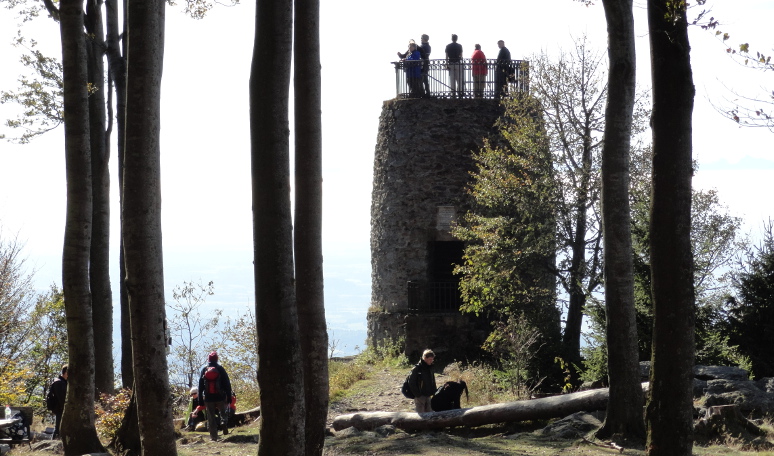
(381, 392)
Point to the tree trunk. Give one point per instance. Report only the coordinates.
(141, 218)
(280, 371)
(624, 411)
(127, 440)
(578, 270)
(308, 221)
(78, 431)
(536, 409)
(116, 50)
(670, 408)
(101, 294)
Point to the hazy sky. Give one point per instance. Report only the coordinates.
(206, 212)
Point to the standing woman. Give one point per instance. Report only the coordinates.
(422, 382)
(479, 72)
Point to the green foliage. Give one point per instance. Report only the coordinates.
(516, 344)
(751, 314)
(716, 242)
(389, 352)
(508, 261)
(240, 357)
(109, 411)
(40, 96)
(342, 375)
(595, 350)
(33, 339)
(716, 350)
(486, 384)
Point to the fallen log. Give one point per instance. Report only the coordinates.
(246, 415)
(535, 409)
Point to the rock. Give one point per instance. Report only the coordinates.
(718, 372)
(385, 430)
(699, 386)
(348, 432)
(766, 384)
(726, 420)
(53, 446)
(571, 427)
(745, 394)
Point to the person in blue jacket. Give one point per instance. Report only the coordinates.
(413, 66)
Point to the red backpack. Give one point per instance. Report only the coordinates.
(212, 381)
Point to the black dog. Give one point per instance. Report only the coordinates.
(448, 396)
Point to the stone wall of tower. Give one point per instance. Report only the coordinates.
(422, 165)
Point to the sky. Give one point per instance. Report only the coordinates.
(205, 153)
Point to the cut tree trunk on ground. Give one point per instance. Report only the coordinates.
(536, 409)
(247, 415)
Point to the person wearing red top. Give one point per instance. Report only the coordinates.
(479, 72)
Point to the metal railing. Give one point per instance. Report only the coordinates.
(433, 296)
(463, 79)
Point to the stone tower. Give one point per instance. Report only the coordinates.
(422, 165)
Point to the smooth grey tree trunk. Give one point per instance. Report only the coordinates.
(624, 410)
(670, 408)
(141, 219)
(99, 270)
(116, 52)
(79, 436)
(280, 371)
(308, 220)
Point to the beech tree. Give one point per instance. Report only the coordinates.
(99, 260)
(573, 97)
(279, 342)
(78, 431)
(141, 221)
(746, 109)
(41, 97)
(307, 240)
(288, 296)
(624, 409)
(670, 405)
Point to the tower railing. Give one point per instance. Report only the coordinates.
(433, 296)
(464, 79)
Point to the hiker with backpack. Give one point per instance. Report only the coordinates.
(55, 399)
(422, 382)
(215, 395)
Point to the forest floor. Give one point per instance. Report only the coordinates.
(380, 391)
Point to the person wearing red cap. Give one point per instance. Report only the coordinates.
(215, 395)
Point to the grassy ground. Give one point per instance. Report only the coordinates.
(374, 385)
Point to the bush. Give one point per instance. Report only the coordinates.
(485, 384)
(109, 411)
(342, 375)
(388, 353)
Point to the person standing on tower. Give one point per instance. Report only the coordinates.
(425, 49)
(479, 70)
(454, 64)
(504, 70)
